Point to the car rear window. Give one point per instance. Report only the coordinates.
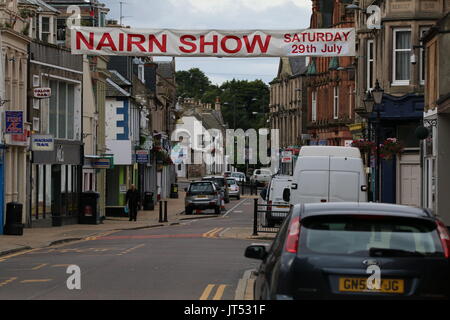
(231, 182)
(370, 236)
(220, 182)
(201, 187)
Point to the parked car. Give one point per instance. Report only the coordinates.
(328, 174)
(277, 209)
(203, 195)
(325, 251)
(233, 188)
(222, 183)
(261, 176)
(239, 176)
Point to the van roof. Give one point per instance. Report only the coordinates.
(311, 151)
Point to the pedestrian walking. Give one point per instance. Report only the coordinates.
(133, 200)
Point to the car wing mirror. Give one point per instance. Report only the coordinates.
(287, 195)
(257, 252)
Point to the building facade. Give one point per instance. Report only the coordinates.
(15, 157)
(394, 55)
(436, 146)
(330, 82)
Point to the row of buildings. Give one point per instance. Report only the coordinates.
(107, 122)
(322, 100)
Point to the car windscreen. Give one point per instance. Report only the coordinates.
(377, 236)
(231, 182)
(205, 187)
(237, 175)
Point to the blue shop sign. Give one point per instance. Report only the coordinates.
(14, 122)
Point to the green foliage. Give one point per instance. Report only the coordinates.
(240, 98)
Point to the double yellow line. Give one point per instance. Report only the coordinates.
(219, 292)
(212, 233)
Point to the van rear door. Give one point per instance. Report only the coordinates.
(344, 180)
(312, 178)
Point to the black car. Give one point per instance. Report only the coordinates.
(355, 251)
(222, 183)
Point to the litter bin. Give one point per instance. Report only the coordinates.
(174, 191)
(149, 203)
(14, 225)
(89, 208)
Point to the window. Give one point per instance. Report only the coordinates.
(370, 65)
(314, 106)
(61, 31)
(62, 110)
(336, 102)
(45, 29)
(402, 57)
(141, 73)
(423, 30)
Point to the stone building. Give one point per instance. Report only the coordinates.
(288, 101)
(436, 147)
(14, 155)
(393, 54)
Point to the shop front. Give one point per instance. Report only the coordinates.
(57, 177)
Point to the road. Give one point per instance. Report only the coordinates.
(189, 261)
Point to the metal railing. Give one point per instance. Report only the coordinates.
(262, 215)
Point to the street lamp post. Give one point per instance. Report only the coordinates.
(374, 99)
(377, 94)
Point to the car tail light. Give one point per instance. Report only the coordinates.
(445, 237)
(269, 207)
(293, 236)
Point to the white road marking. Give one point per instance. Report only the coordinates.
(231, 210)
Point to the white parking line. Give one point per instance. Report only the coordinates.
(231, 210)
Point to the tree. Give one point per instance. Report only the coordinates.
(192, 83)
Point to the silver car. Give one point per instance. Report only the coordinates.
(233, 188)
(203, 195)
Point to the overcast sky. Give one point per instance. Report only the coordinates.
(218, 14)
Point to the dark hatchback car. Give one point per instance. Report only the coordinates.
(222, 183)
(333, 250)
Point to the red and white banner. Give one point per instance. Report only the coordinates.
(213, 43)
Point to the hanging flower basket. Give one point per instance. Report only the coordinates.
(391, 148)
(163, 157)
(365, 146)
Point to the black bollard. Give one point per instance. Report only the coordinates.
(160, 212)
(255, 218)
(165, 211)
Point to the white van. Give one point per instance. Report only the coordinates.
(328, 174)
(277, 209)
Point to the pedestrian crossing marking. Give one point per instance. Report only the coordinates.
(4, 283)
(210, 288)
